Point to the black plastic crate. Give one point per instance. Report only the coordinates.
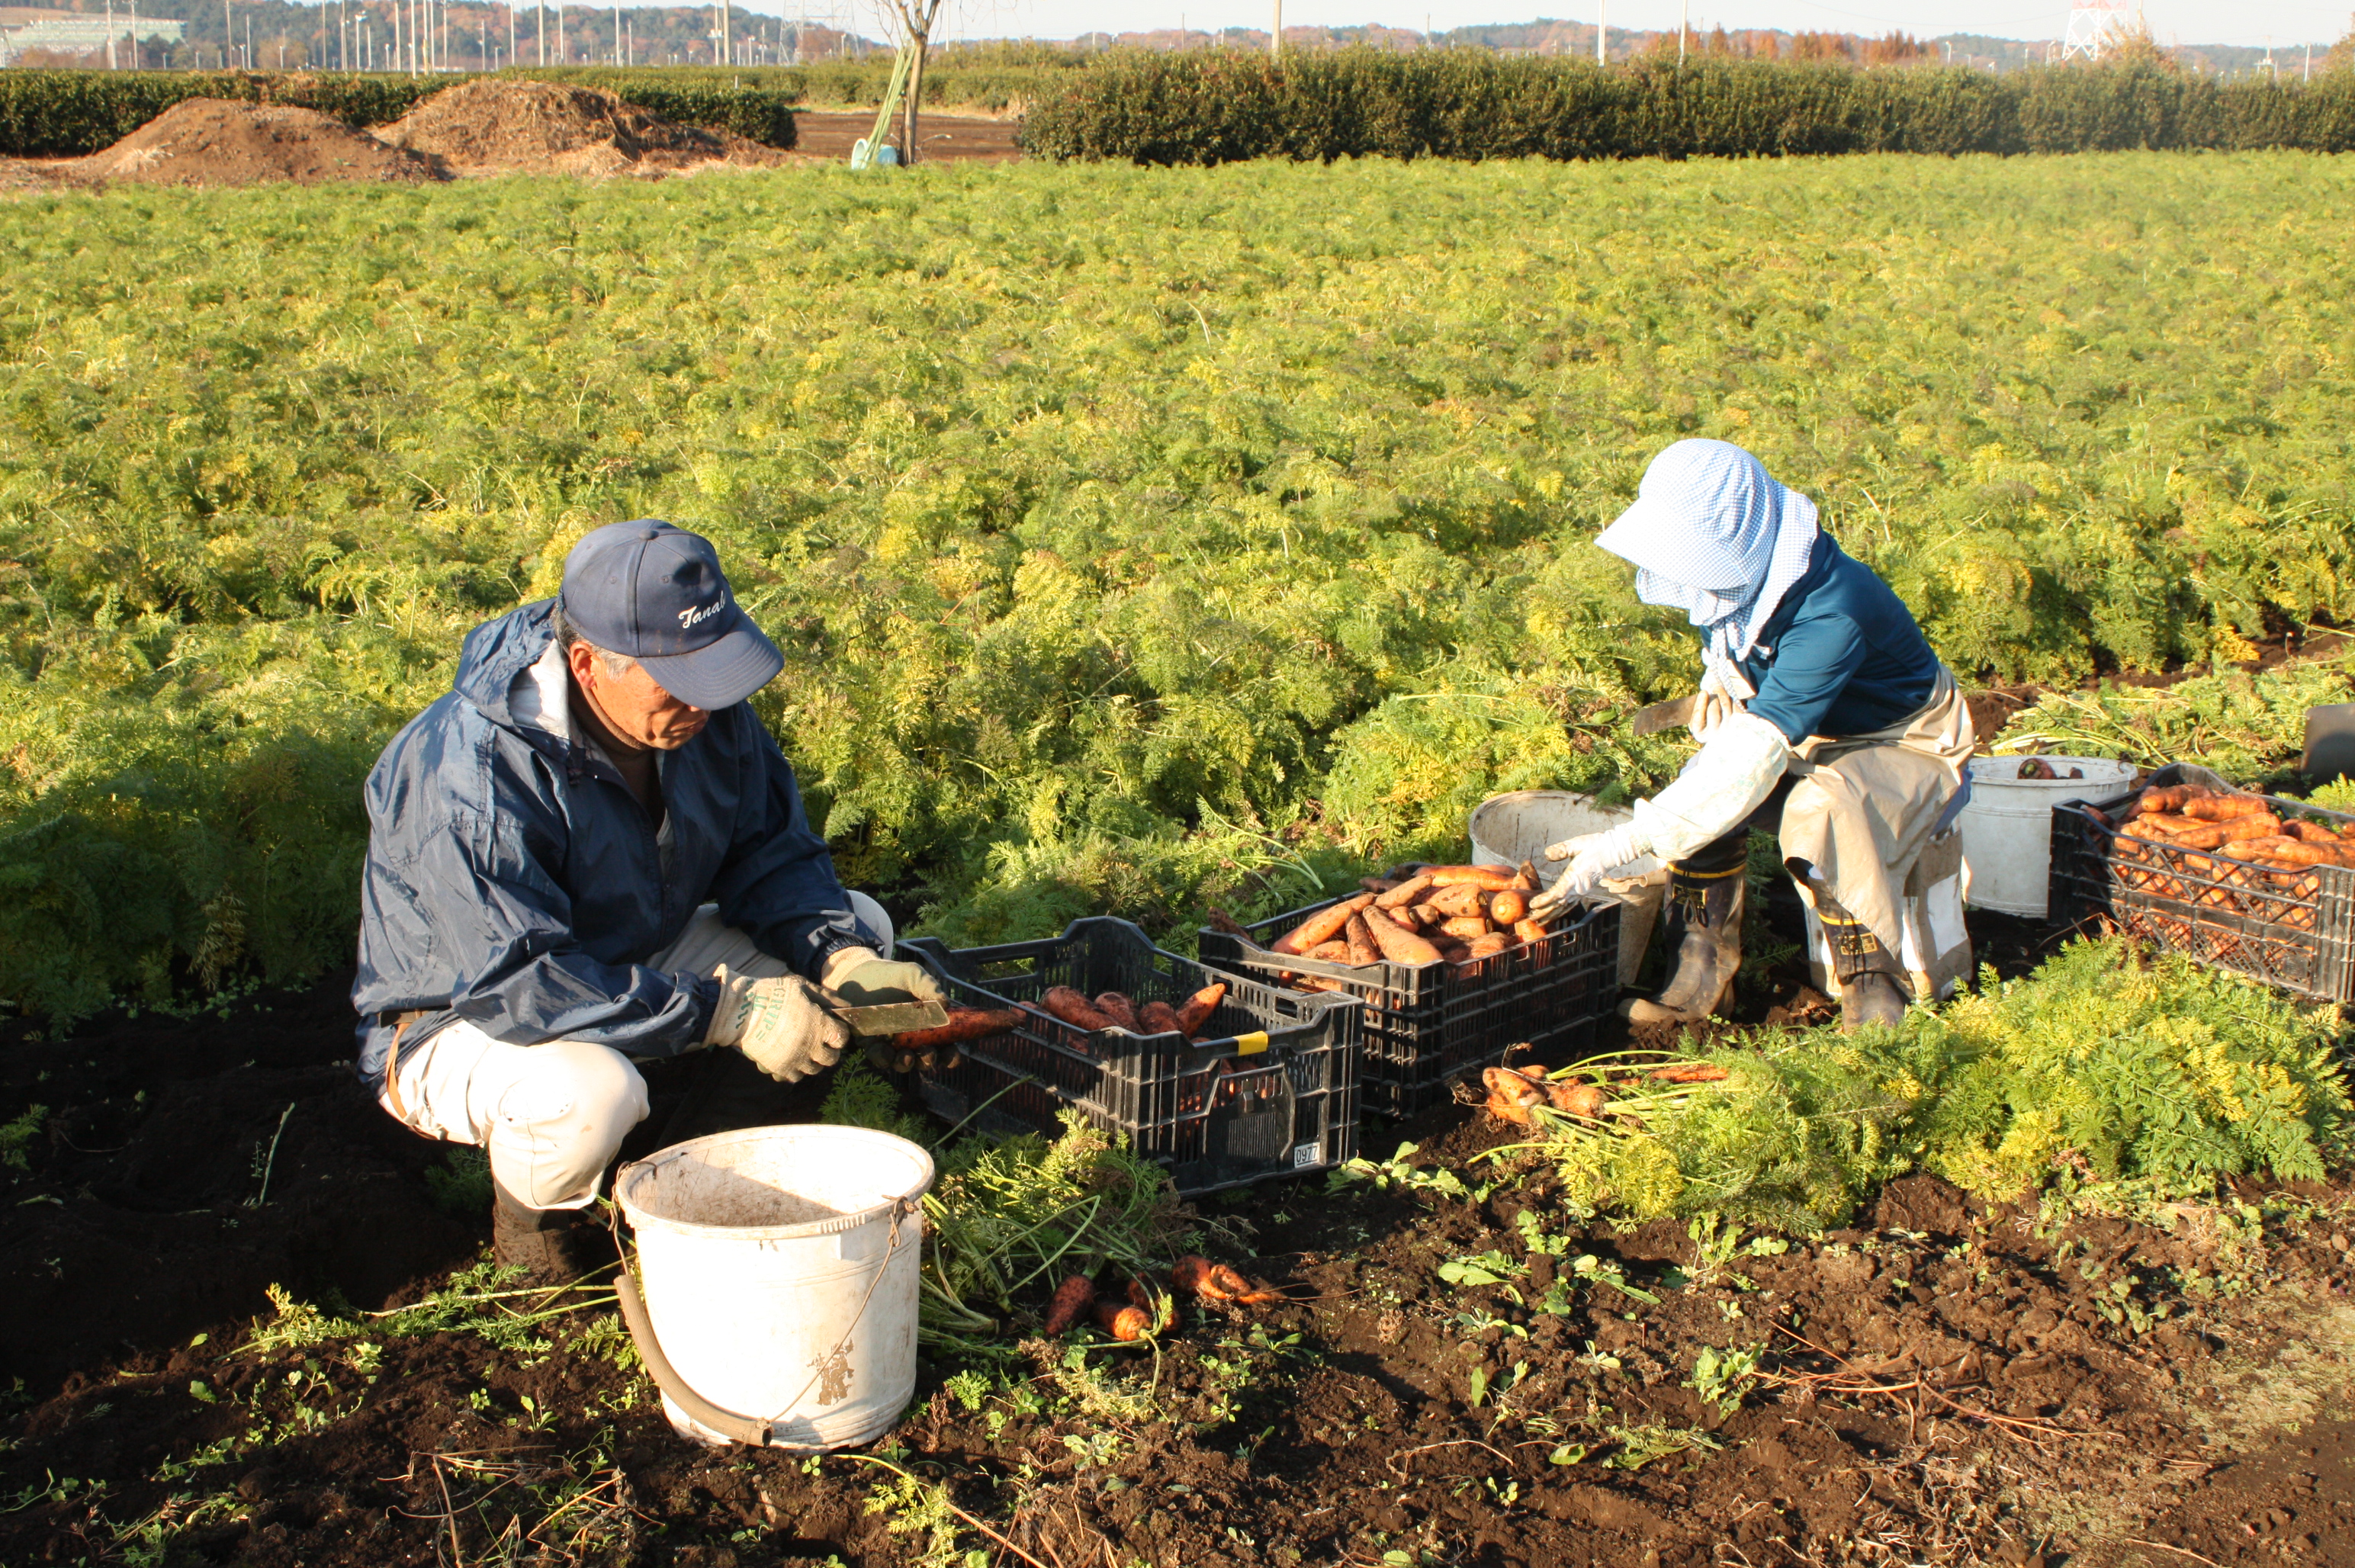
(1424, 1026)
(1268, 1090)
(2292, 930)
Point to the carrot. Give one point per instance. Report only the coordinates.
(1121, 1321)
(1508, 906)
(1405, 893)
(1192, 1275)
(1687, 1073)
(1072, 1298)
(2307, 832)
(1223, 922)
(2261, 824)
(1462, 898)
(2199, 836)
(1362, 942)
(1492, 878)
(1526, 881)
(2290, 852)
(1075, 1008)
(2169, 798)
(1332, 951)
(1528, 931)
(1197, 1008)
(1428, 915)
(1376, 884)
(2164, 823)
(1399, 946)
(965, 1023)
(1511, 1095)
(1116, 1006)
(1577, 1099)
(1465, 927)
(1489, 945)
(1158, 1017)
(2224, 808)
(1323, 926)
(1454, 951)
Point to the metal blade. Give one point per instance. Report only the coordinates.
(1673, 714)
(893, 1018)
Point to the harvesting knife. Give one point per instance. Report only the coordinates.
(888, 1018)
(1673, 714)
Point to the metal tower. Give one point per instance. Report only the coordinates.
(2095, 27)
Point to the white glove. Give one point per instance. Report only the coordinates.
(1730, 776)
(781, 1026)
(1592, 858)
(1714, 704)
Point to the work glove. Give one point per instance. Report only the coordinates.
(782, 1024)
(1712, 705)
(870, 982)
(1592, 858)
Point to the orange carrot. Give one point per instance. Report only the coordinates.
(1116, 1006)
(1075, 1008)
(1489, 945)
(1462, 898)
(1323, 926)
(1508, 907)
(1465, 927)
(1494, 878)
(1071, 1301)
(1688, 1072)
(1122, 1321)
(2223, 808)
(1576, 1099)
(1405, 893)
(1197, 1008)
(1528, 931)
(1399, 946)
(1362, 942)
(965, 1023)
(1158, 1017)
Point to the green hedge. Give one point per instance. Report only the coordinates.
(1215, 107)
(845, 84)
(63, 114)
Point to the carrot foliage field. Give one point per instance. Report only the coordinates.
(1138, 539)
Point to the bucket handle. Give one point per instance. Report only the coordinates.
(750, 1430)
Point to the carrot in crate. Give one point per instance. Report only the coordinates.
(1075, 1008)
(1507, 906)
(2223, 808)
(1159, 1017)
(965, 1024)
(1116, 1006)
(1197, 1008)
(1399, 946)
(1491, 879)
(1323, 926)
(1409, 892)
(1362, 950)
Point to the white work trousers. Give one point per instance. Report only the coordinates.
(552, 1115)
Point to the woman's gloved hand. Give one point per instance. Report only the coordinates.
(781, 1025)
(870, 982)
(1592, 858)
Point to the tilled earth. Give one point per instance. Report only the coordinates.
(1463, 1374)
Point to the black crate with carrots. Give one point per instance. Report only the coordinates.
(1450, 972)
(1224, 1079)
(2258, 884)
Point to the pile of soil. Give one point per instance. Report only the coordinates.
(219, 141)
(545, 127)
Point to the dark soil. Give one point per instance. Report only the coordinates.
(1942, 1383)
(945, 138)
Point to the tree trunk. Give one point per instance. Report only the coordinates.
(915, 96)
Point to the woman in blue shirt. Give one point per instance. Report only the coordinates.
(1824, 718)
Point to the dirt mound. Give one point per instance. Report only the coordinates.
(219, 141)
(545, 127)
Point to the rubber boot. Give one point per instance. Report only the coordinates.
(1704, 921)
(545, 1242)
(1871, 984)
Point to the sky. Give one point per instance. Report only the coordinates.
(2288, 22)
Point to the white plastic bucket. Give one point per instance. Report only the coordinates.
(2008, 825)
(779, 1267)
(1507, 829)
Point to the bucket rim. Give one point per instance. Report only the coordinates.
(2098, 772)
(886, 1204)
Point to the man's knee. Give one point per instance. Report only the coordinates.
(561, 1120)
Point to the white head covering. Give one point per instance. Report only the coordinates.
(1713, 534)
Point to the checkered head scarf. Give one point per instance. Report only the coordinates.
(1713, 534)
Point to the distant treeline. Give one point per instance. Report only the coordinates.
(1218, 107)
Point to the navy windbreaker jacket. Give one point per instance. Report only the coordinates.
(514, 881)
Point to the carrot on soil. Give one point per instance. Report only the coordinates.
(1122, 1321)
(1071, 1300)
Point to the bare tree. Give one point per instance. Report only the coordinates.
(915, 20)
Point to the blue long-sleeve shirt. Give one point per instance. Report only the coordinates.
(514, 881)
(1841, 655)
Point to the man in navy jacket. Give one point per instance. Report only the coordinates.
(589, 852)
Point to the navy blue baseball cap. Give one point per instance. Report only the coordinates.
(656, 593)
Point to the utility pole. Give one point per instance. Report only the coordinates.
(110, 35)
(617, 32)
(229, 31)
(1601, 31)
(1684, 26)
(1275, 38)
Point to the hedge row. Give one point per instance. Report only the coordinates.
(949, 77)
(1214, 108)
(63, 114)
